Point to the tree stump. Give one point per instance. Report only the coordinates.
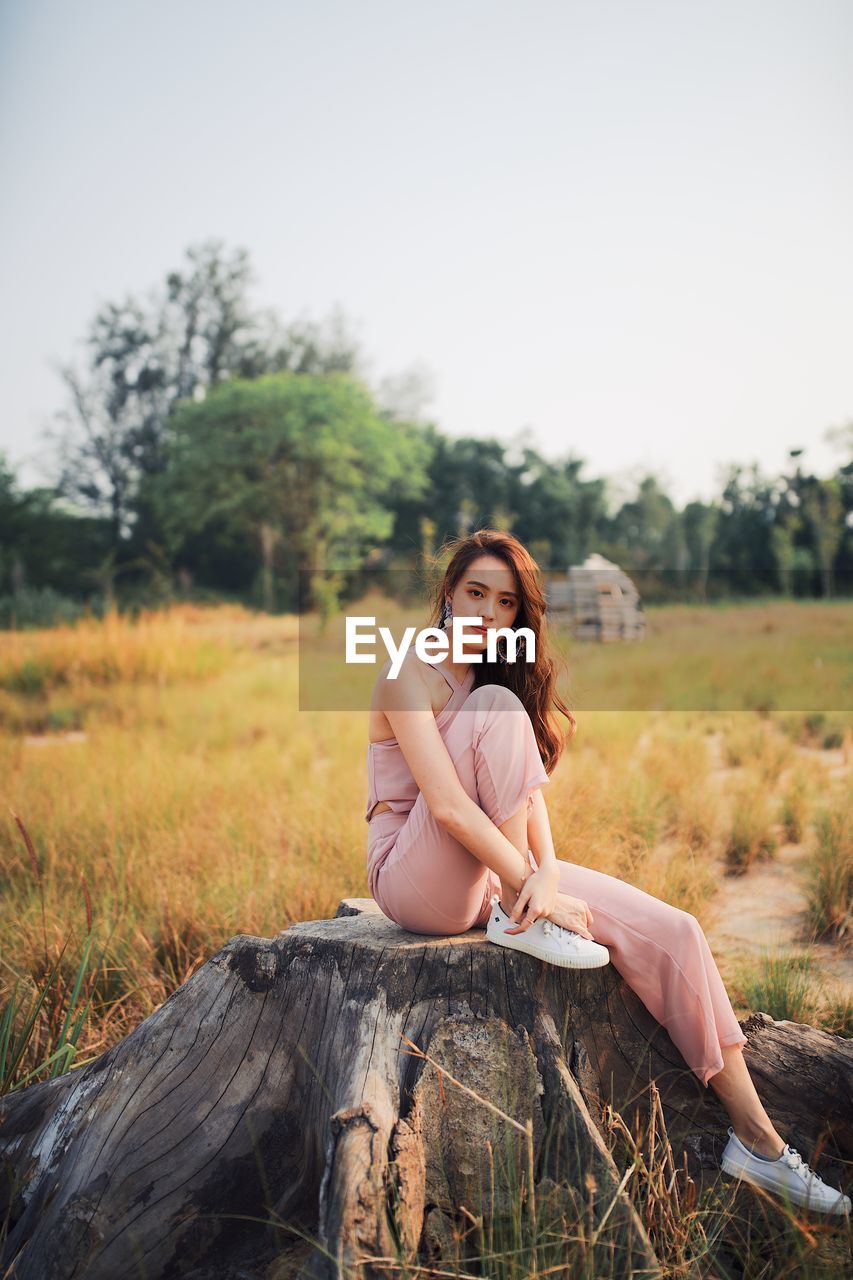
(275, 1085)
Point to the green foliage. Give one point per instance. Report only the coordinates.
(293, 464)
(823, 508)
(310, 478)
(790, 987)
(19, 1022)
(38, 607)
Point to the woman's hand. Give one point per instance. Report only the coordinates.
(571, 913)
(537, 897)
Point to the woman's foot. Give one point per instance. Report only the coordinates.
(787, 1175)
(768, 1144)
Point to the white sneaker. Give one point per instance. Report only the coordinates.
(789, 1176)
(545, 940)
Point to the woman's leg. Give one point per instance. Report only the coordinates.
(733, 1086)
(428, 881)
(664, 956)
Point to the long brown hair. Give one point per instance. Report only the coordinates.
(534, 683)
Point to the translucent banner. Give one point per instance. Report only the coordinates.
(622, 640)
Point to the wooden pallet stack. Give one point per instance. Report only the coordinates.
(597, 601)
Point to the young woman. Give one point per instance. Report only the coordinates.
(459, 838)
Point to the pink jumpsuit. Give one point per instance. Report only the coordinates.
(427, 882)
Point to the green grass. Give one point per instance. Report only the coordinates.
(791, 987)
(782, 988)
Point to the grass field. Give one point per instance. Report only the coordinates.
(163, 792)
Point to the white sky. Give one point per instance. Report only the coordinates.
(624, 224)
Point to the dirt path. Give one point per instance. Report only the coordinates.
(765, 909)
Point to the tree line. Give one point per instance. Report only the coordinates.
(207, 450)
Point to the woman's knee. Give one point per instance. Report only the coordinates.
(494, 697)
(499, 711)
(684, 926)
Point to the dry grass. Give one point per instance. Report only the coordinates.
(795, 805)
(757, 745)
(199, 802)
(156, 646)
(560, 1229)
(750, 835)
(830, 869)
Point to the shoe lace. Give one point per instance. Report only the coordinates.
(795, 1161)
(549, 927)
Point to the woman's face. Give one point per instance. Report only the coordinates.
(486, 591)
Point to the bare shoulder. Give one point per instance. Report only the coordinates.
(411, 689)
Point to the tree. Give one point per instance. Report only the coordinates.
(815, 512)
(823, 509)
(842, 438)
(13, 528)
(298, 465)
(742, 551)
(467, 484)
(699, 521)
(558, 511)
(783, 540)
(646, 535)
(111, 433)
(144, 358)
(42, 545)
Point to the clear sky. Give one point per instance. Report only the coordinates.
(623, 224)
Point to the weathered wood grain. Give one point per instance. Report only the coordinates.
(274, 1087)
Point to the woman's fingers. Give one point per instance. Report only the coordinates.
(526, 921)
(521, 928)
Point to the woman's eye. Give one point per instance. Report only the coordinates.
(472, 591)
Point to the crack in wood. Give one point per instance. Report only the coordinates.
(174, 1189)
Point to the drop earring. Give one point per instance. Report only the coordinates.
(447, 615)
(519, 649)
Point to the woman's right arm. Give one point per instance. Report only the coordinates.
(408, 707)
